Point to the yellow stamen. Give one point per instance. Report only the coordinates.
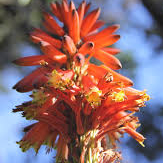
(39, 97)
(93, 96)
(56, 80)
(118, 97)
(141, 143)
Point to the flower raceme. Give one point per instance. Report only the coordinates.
(81, 109)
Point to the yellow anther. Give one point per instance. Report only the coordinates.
(144, 97)
(39, 97)
(94, 96)
(118, 97)
(56, 80)
(141, 143)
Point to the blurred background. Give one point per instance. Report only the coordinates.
(141, 55)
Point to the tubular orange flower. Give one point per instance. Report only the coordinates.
(77, 104)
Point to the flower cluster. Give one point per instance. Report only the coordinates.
(81, 108)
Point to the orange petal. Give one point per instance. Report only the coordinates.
(104, 33)
(89, 21)
(98, 24)
(72, 6)
(87, 7)
(118, 77)
(79, 125)
(96, 71)
(74, 30)
(87, 83)
(53, 53)
(53, 24)
(131, 91)
(48, 27)
(107, 59)
(66, 2)
(100, 71)
(81, 11)
(140, 138)
(109, 86)
(33, 138)
(26, 84)
(65, 13)
(86, 48)
(112, 51)
(30, 61)
(106, 41)
(56, 9)
(69, 45)
(54, 122)
(38, 35)
(69, 16)
(39, 81)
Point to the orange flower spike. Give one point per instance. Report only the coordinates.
(72, 95)
(30, 61)
(98, 24)
(86, 48)
(53, 24)
(38, 35)
(69, 45)
(74, 30)
(112, 51)
(89, 21)
(107, 59)
(56, 10)
(53, 53)
(81, 11)
(106, 41)
(104, 33)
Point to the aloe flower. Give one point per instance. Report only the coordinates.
(80, 109)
